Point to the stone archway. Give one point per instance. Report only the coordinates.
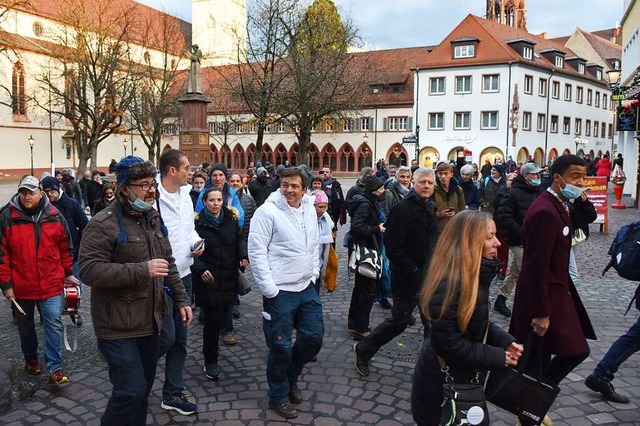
(347, 159)
(538, 156)
(429, 157)
(523, 155)
(493, 154)
(553, 154)
(329, 157)
(453, 154)
(397, 155)
(567, 151)
(364, 156)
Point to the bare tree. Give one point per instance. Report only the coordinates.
(322, 79)
(157, 88)
(91, 79)
(259, 74)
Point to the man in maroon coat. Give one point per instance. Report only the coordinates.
(546, 299)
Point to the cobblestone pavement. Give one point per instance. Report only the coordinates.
(334, 393)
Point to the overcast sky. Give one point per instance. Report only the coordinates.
(403, 23)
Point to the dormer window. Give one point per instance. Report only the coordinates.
(581, 68)
(599, 74)
(464, 51)
(615, 64)
(464, 47)
(527, 52)
(559, 61)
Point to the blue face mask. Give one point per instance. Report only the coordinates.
(139, 205)
(570, 192)
(535, 182)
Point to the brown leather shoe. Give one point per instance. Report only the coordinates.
(295, 395)
(284, 410)
(228, 339)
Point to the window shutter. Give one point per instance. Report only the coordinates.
(371, 124)
(355, 124)
(384, 123)
(410, 123)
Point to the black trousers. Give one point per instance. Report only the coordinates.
(362, 298)
(213, 318)
(401, 314)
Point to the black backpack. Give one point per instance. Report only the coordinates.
(625, 255)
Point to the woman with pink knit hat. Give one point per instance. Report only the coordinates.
(325, 225)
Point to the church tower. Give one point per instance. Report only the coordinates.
(218, 27)
(508, 12)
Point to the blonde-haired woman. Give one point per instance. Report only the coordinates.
(455, 299)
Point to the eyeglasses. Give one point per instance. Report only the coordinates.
(145, 186)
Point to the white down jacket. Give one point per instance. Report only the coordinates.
(281, 257)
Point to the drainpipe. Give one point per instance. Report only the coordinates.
(508, 128)
(547, 118)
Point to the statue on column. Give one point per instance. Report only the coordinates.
(194, 80)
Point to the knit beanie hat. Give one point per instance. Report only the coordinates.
(499, 168)
(320, 197)
(50, 182)
(220, 166)
(371, 183)
(280, 168)
(123, 169)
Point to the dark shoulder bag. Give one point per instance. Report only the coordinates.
(463, 403)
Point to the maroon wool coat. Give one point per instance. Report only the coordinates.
(544, 288)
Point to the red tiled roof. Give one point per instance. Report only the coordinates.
(492, 47)
(603, 47)
(147, 21)
(391, 66)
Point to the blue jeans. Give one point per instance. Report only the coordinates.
(173, 343)
(51, 313)
(132, 370)
(289, 310)
(622, 348)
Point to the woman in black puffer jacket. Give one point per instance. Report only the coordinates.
(215, 273)
(366, 229)
(457, 305)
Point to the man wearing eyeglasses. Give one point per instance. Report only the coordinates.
(126, 258)
(333, 189)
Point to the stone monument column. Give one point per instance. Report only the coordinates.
(194, 133)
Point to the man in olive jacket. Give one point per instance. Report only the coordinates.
(125, 257)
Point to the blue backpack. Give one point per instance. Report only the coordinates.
(625, 256)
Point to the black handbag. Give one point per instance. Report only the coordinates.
(462, 404)
(520, 390)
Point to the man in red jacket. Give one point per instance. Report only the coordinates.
(36, 259)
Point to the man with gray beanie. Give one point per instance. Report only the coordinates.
(126, 259)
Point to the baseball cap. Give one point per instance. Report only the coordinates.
(29, 182)
(530, 168)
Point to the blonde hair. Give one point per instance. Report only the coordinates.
(456, 260)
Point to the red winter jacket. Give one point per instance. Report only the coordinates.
(603, 167)
(35, 253)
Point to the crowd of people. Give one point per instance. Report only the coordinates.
(163, 241)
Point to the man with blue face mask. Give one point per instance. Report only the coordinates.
(126, 259)
(510, 218)
(546, 299)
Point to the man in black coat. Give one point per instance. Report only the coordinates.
(333, 189)
(509, 220)
(72, 187)
(260, 188)
(410, 239)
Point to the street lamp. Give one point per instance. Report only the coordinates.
(125, 143)
(31, 142)
(579, 141)
(614, 77)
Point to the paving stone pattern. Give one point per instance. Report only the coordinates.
(334, 393)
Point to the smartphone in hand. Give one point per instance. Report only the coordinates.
(197, 246)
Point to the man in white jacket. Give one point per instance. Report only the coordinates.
(176, 209)
(283, 251)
